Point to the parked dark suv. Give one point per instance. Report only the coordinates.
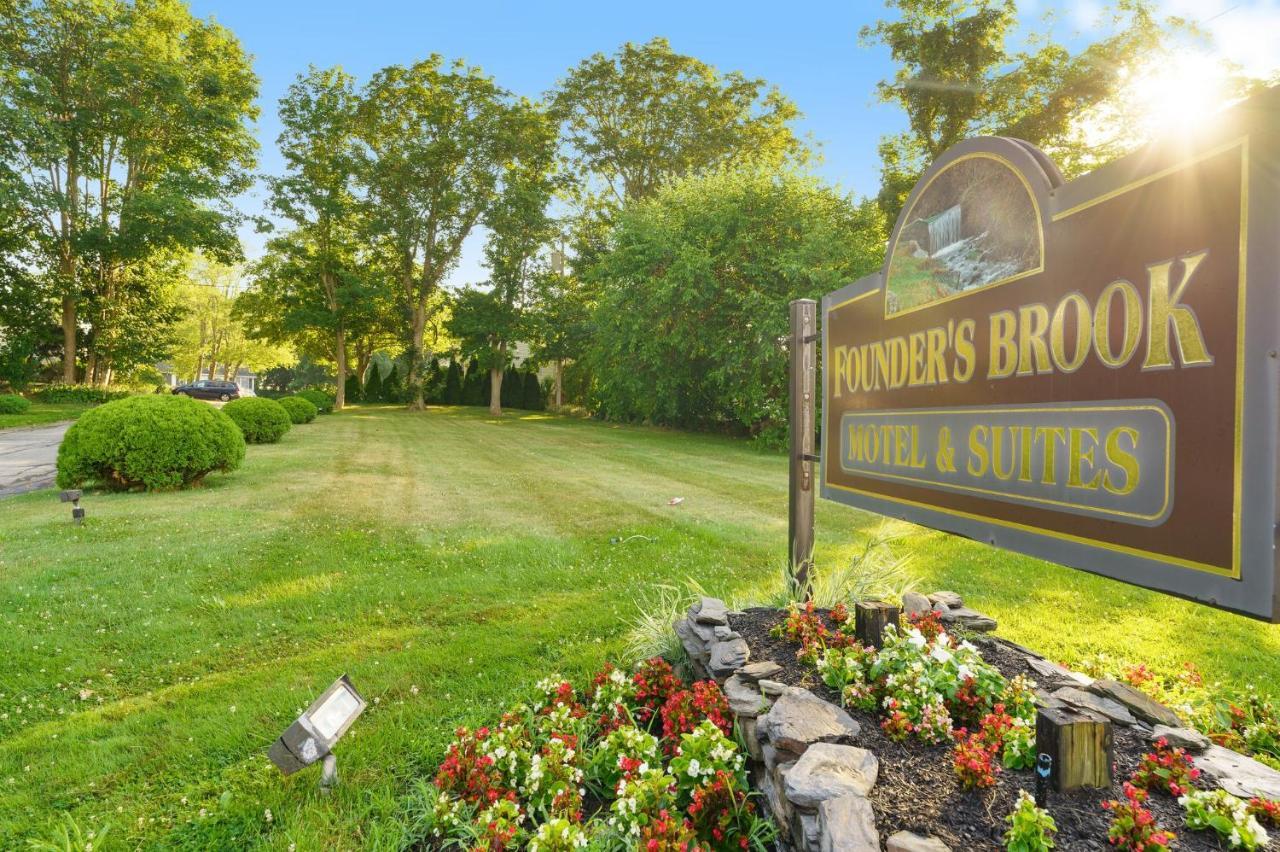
(210, 390)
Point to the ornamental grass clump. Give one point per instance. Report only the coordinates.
(1228, 816)
(261, 420)
(156, 443)
(1031, 829)
(590, 769)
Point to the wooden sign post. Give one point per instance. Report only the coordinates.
(802, 347)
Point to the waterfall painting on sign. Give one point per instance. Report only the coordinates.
(974, 224)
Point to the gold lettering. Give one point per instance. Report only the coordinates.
(917, 358)
(1003, 352)
(1123, 459)
(936, 345)
(998, 453)
(1058, 333)
(1163, 310)
(1078, 456)
(1024, 448)
(1132, 323)
(1033, 324)
(901, 449)
(965, 351)
(899, 345)
(840, 364)
(917, 457)
(977, 450)
(1051, 435)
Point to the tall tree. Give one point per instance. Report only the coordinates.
(488, 323)
(317, 193)
(559, 321)
(436, 140)
(132, 134)
(647, 114)
(957, 77)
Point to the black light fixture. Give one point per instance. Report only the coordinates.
(73, 497)
(312, 737)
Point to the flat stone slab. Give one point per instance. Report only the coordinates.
(828, 771)
(759, 670)
(1113, 710)
(847, 824)
(745, 698)
(728, 656)
(1239, 775)
(969, 619)
(1139, 703)
(1188, 738)
(710, 611)
(1054, 672)
(772, 688)
(951, 600)
(798, 719)
(905, 841)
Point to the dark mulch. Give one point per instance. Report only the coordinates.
(918, 791)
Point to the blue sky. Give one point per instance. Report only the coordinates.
(810, 50)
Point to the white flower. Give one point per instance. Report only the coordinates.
(694, 768)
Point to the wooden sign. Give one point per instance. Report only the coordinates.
(1083, 371)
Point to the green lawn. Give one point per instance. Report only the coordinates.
(42, 413)
(445, 561)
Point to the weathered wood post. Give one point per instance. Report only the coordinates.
(803, 351)
(1080, 744)
(870, 618)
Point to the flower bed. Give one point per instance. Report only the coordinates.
(952, 723)
(633, 761)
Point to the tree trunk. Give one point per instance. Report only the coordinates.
(559, 383)
(495, 379)
(199, 367)
(340, 398)
(416, 402)
(69, 340)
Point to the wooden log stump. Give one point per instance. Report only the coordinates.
(1080, 745)
(870, 618)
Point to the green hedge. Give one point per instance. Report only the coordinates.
(320, 399)
(299, 409)
(262, 421)
(88, 394)
(11, 403)
(154, 442)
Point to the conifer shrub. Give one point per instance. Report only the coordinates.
(352, 390)
(534, 399)
(475, 387)
(11, 403)
(373, 385)
(453, 384)
(156, 443)
(261, 421)
(512, 393)
(432, 385)
(300, 409)
(322, 400)
(393, 386)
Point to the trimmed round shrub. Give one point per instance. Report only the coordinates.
(299, 409)
(320, 399)
(158, 443)
(263, 421)
(11, 403)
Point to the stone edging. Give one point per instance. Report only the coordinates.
(815, 781)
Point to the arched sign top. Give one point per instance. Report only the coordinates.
(975, 219)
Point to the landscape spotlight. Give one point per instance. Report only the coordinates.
(312, 737)
(73, 497)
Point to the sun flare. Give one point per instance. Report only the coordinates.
(1177, 92)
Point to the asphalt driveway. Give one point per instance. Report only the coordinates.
(28, 457)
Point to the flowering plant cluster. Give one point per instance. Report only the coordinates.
(807, 627)
(634, 761)
(1250, 725)
(1225, 814)
(974, 760)
(1133, 827)
(1169, 770)
(1031, 829)
(1266, 810)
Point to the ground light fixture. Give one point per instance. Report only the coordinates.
(73, 497)
(313, 736)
